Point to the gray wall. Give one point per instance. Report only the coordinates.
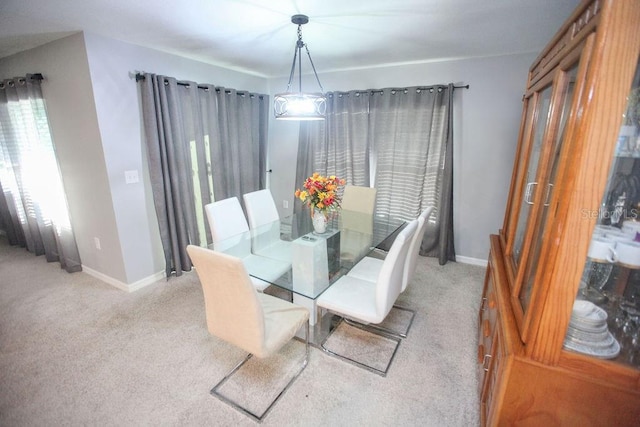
(93, 104)
(487, 118)
(113, 65)
(94, 111)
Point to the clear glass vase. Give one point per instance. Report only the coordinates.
(319, 221)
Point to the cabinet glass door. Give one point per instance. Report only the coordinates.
(605, 321)
(566, 80)
(542, 106)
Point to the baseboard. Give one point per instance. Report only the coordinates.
(473, 261)
(147, 281)
(131, 287)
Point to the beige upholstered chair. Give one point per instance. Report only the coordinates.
(257, 323)
(359, 199)
(370, 302)
(356, 221)
(369, 267)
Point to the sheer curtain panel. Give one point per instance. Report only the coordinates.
(403, 139)
(339, 145)
(203, 143)
(412, 144)
(33, 204)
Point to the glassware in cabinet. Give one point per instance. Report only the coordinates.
(605, 321)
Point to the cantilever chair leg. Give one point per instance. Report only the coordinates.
(260, 417)
(399, 334)
(382, 373)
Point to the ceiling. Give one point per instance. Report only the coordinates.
(258, 37)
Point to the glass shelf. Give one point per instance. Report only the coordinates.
(611, 277)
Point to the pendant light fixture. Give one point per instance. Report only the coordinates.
(300, 105)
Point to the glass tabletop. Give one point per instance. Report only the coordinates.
(287, 253)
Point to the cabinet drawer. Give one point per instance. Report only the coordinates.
(491, 368)
(492, 375)
(487, 318)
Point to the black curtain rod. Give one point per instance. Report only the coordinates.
(34, 76)
(420, 88)
(240, 93)
(140, 76)
(372, 91)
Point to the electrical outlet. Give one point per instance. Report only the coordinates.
(97, 243)
(131, 177)
(285, 204)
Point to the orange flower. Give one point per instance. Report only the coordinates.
(321, 192)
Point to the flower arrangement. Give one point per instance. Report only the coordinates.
(321, 192)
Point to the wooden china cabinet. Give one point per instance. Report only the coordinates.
(582, 92)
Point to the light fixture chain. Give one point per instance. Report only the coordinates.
(314, 69)
(293, 68)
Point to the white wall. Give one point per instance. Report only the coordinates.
(487, 118)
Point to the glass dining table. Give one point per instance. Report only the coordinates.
(289, 255)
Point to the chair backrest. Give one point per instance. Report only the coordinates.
(359, 199)
(261, 208)
(414, 248)
(263, 217)
(389, 283)
(233, 310)
(229, 228)
(358, 204)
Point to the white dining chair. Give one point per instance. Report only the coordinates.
(264, 222)
(230, 234)
(369, 302)
(369, 267)
(259, 324)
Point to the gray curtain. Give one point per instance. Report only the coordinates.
(33, 204)
(340, 144)
(204, 143)
(404, 137)
(412, 140)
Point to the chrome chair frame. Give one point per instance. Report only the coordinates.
(237, 406)
(387, 331)
(382, 373)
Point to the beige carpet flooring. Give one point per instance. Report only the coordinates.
(76, 351)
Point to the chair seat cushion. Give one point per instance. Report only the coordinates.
(352, 298)
(367, 268)
(282, 320)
